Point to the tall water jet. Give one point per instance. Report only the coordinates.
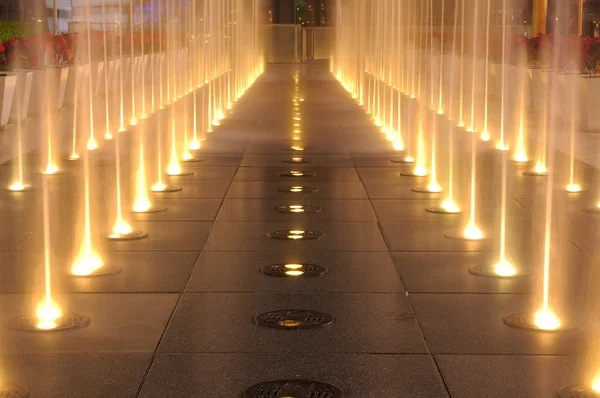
(472, 128)
(398, 140)
(88, 261)
(152, 61)
(520, 155)
(501, 144)
(121, 229)
(433, 186)
(107, 134)
(51, 166)
(461, 100)
(572, 186)
(18, 183)
(133, 119)
(448, 205)
(485, 134)
(540, 169)
(502, 268)
(91, 141)
(440, 109)
(545, 317)
(142, 61)
(194, 144)
(142, 202)
(121, 77)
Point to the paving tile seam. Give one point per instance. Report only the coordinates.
(408, 298)
(180, 295)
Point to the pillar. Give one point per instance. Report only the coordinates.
(540, 14)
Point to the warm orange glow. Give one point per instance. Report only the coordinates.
(51, 168)
(573, 188)
(86, 263)
(473, 232)
(505, 268)
(546, 319)
(17, 186)
(596, 383)
(121, 227)
(47, 312)
(450, 206)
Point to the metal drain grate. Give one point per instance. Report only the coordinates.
(521, 320)
(153, 209)
(293, 319)
(295, 235)
(105, 270)
(297, 160)
(13, 391)
(68, 321)
(293, 389)
(576, 391)
(135, 235)
(169, 188)
(294, 173)
(294, 270)
(294, 209)
(297, 188)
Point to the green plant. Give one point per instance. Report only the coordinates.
(11, 29)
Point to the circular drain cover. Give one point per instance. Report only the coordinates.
(294, 270)
(105, 270)
(134, 235)
(293, 389)
(297, 188)
(294, 234)
(576, 391)
(169, 188)
(293, 319)
(297, 160)
(65, 322)
(521, 320)
(13, 391)
(296, 209)
(294, 173)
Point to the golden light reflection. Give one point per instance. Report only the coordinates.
(546, 319)
(505, 268)
(573, 188)
(595, 385)
(47, 312)
(16, 186)
(473, 232)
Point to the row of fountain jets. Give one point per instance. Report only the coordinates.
(390, 56)
(207, 56)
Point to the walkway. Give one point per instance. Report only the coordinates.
(410, 321)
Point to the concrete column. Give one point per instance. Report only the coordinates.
(540, 14)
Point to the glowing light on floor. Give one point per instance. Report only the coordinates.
(473, 232)
(121, 227)
(142, 201)
(450, 206)
(505, 269)
(92, 144)
(540, 168)
(520, 154)
(573, 188)
(51, 168)
(17, 186)
(47, 312)
(595, 384)
(546, 319)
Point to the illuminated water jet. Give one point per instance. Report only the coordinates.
(91, 142)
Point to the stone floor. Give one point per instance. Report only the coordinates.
(410, 321)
